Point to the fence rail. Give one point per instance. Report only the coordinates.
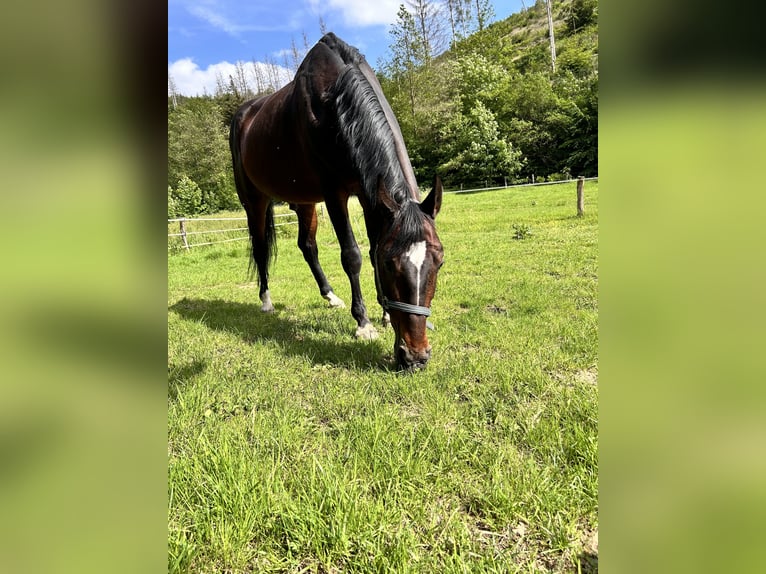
(208, 231)
(183, 233)
(223, 218)
(476, 189)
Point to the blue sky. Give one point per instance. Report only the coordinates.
(206, 37)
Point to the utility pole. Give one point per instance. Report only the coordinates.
(550, 33)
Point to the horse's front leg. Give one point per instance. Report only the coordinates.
(307, 242)
(351, 259)
(386, 318)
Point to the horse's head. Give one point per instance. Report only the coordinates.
(407, 259)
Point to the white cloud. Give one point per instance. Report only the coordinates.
(215, 19)
(236, 18)
(191, 80)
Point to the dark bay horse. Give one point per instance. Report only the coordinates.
(327, 135)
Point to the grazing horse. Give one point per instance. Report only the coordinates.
(327, 135)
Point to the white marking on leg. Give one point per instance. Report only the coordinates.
(366, 333)
(335, 301)
(267, 306)
(417, 255)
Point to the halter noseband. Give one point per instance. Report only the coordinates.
(389, 305)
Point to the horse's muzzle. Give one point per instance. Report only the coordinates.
(409, 360)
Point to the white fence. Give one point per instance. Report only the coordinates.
(184, 234)
(474, 190)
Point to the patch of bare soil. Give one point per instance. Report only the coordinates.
(521, 546)
(587, 376)
(588, 558)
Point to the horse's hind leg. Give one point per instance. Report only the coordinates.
(307, 232)
(260, 222)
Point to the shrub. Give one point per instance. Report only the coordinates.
(188, 197)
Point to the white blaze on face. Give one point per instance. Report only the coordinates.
(417, 255)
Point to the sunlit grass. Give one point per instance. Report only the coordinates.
(294, 447)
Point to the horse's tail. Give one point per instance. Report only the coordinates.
(270, 238)
(261, 253)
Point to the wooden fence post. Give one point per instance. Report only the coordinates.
(580, 198)
(183, 234)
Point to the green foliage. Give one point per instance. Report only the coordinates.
(492, 95)
(475, 151)
(187, 198)
(198, 149)
(576, 60)
(478, 80)
(582, 13)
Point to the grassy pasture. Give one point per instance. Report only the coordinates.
(293, 447)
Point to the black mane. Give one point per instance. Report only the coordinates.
(367, 134)
(347, 53)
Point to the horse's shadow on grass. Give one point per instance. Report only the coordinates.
(294, 336)
(180, 375)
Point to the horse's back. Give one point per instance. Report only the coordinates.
(288, 141)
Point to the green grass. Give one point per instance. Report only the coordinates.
(293, 447)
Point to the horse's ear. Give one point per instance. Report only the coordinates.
(433, 201)
(383, 197)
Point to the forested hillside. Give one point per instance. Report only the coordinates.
(479, 102)
(492, 106)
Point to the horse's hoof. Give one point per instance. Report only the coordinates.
(267, 306)
(334, 301)
(366, 333)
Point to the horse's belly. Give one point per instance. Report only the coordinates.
(278, 171)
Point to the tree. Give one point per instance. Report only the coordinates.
(198, 149)
(455, 16)
(186, 198)
(428, 19)
(172, 204)
(475, 151)
(480, 80)
(407, 54)
(581, 13)
(485, 13)
(172, 91)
